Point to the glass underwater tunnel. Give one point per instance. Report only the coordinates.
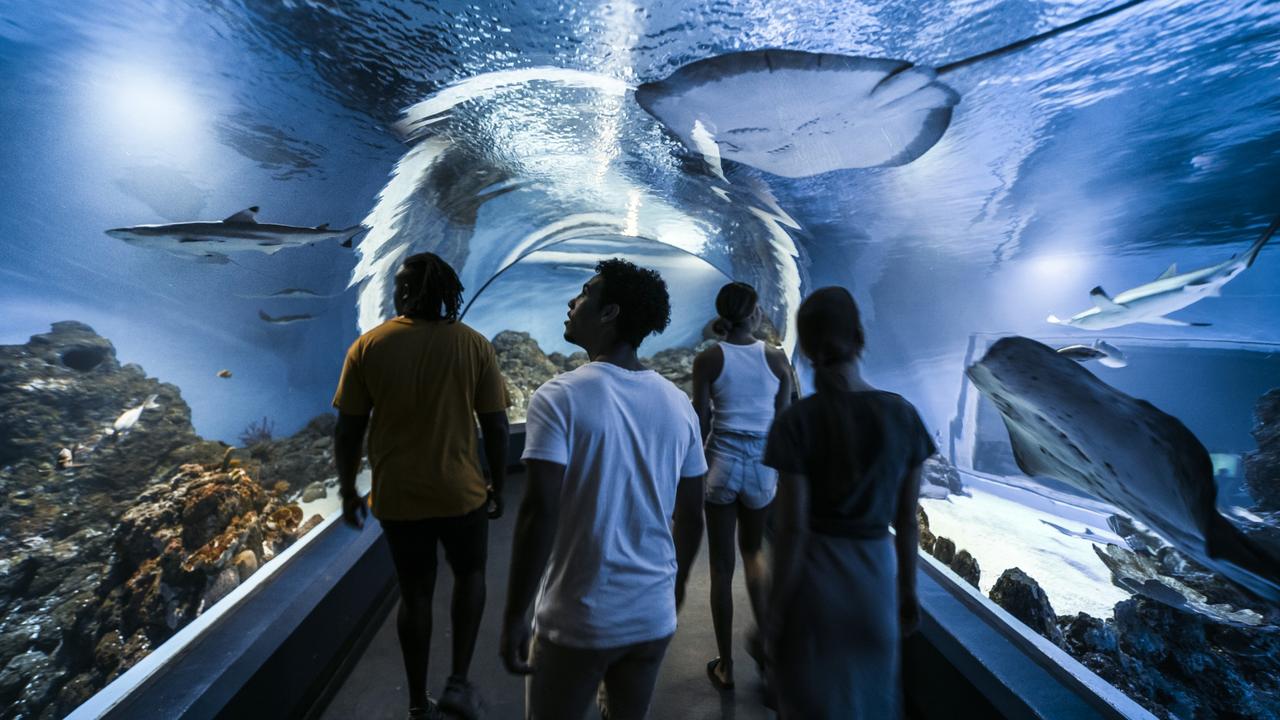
(1054, 215)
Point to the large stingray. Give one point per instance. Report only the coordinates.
(796, 114)
(1067, 424)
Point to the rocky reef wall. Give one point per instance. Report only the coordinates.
(118, 523)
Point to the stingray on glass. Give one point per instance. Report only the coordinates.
(1065, 423)
(795, 113)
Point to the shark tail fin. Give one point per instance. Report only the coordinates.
(1102, 300)
(350, 234)
(1252, 253)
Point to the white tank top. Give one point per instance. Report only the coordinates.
(743, 396)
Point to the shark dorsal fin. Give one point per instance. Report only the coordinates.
(322, 226)
(248, 215)
(1102, 300)
(1173, 270)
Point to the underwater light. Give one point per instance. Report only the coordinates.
(146, 108)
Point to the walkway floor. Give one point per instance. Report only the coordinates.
(375, 690)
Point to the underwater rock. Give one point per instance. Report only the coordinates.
(966, 566)
(1022, 597)
(927, 540)
(676, 365)
(289, 465)
(1262, 466)
(1184, 665)
(939, 478)
(524, 366)
(1153, 568)
(314, 491)
(944, 549)
(84, 591)
(1067, 424)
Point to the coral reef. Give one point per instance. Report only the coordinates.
(110, 547)
(1262, 466)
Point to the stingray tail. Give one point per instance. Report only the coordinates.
(1224, 541)
(1252, 253)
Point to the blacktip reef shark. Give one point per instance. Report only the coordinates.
(209, 242)
(1171, 291)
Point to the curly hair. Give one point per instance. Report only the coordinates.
(641, 297)
(431, 289)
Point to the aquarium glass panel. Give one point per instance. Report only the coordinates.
(1053, 214)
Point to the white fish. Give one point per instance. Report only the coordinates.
(1101, 350)
(1171, 291)
(129, 418)
(209, 242)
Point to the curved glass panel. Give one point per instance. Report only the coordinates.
(165, 392)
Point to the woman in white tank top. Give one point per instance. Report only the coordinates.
(739, 384)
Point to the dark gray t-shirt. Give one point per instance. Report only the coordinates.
(856, 449)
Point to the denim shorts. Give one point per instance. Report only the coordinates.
(735, 471)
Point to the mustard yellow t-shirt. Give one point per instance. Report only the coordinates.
(423, 380)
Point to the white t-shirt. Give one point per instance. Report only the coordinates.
(625, 438)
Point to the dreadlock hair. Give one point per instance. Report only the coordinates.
(428, 288)
(734, 304)
(641, 297)
(830, 334)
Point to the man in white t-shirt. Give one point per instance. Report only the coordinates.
(612, 513)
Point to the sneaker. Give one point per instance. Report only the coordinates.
(430, 712)
(461, 699)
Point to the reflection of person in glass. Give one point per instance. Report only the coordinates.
(614, 456)
(844, 593)
(739, 384)
(425, 377)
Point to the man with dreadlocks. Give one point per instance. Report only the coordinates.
(425, 377)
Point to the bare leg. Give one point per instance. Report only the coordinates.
(754, 565)
(722, 521)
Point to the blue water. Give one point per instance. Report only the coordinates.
(1097, 157)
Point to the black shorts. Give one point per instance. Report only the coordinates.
(413, 543)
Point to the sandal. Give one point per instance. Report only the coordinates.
(721, 685)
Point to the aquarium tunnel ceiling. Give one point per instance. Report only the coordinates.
(905, 150)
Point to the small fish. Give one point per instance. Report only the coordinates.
(283, 319)
(224, 373)
(64, 458)
(129, 418)
(1101, 350)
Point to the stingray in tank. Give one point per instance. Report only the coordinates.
(1065, 423)
(1171, 291)
(209, 242)
(795, 114)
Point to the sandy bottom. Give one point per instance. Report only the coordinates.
(1003, 533)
